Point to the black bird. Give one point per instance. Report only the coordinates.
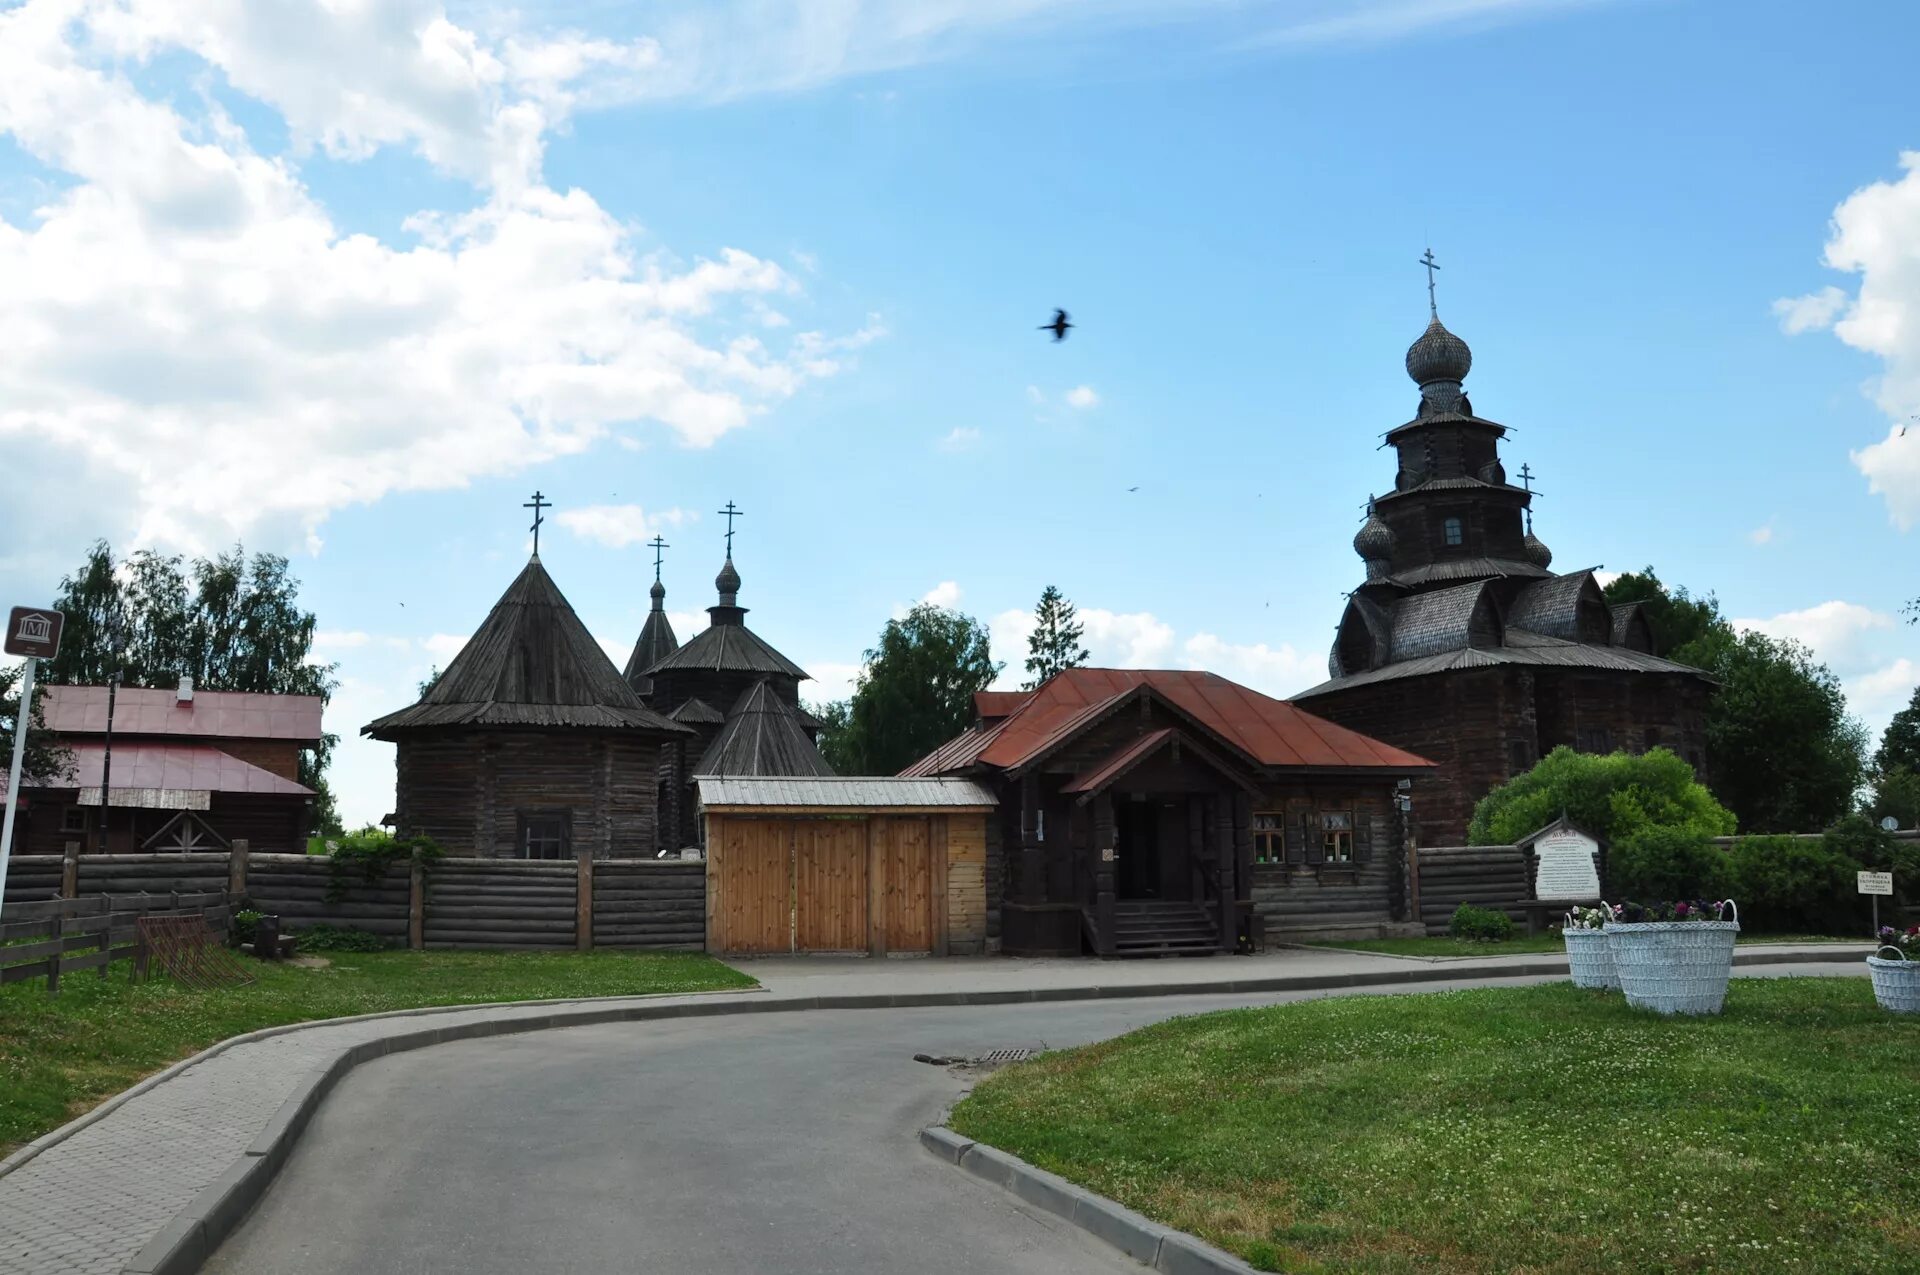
(1058, 327)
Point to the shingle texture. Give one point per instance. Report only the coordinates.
(763, 736)
(730, 647)
(848, 792)
(531, 663)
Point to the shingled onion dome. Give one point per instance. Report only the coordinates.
(659, 594)
(728, 583)
(1534, 550)
(1374, 543)
(1438, 362)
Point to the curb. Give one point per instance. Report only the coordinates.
(1157, 1247)
(198, 1229)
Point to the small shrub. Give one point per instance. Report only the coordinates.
(1480, 924)
(1787, 884)
(367, 854)
(240, 929)
(341, 938)
(1660, 862)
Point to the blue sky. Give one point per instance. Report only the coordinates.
(351, 282)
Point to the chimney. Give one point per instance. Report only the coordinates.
(184, 695)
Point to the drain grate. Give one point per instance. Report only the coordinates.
(1007, 1055)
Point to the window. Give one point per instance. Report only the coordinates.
(1336, 832)
(1451, 529)
(1593, 739)
(1040, 825)
(546, 834)
(1269, 837)
(73, 819)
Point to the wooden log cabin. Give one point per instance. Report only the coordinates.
(1157, 812)
(1464, 645)
(530, 745)
(186, 769)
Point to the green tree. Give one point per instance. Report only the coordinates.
(915, 691)
(45, 758)
(835, 743)
(1896, 792)
(1677, 618)
(1783, 753)
(1900, 745)
(1055, 642)
(230, 622)
(1612, 796)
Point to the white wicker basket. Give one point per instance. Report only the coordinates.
(1674, 967)
(1896, 983)
(1590, 958)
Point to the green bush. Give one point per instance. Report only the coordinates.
(1481, 924)
(1611, 797)
(1796, 885)
(240, 929)
(1660, 862)
(367, 854)
(341, 938)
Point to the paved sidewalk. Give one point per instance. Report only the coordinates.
(153, 1179)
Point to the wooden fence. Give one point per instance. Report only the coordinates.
(581, 903)
(50, 938)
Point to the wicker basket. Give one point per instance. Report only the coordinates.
(1590, 958)
(1674, 967)
(1896, 983)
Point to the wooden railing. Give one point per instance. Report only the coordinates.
(66, 936)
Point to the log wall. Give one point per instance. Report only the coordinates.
(1492, 877)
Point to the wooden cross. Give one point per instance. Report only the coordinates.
(731, 512)
(657, 545)
(1433, 305)
(537, 504)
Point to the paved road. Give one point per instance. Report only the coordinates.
(766, 1144)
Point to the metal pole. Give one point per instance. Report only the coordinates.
(13, 771)
(106, 760)
(1876, 917)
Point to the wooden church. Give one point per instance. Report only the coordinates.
(1463, 645)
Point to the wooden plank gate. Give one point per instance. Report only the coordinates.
(794, 883)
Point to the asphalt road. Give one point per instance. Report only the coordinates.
(769, 1143)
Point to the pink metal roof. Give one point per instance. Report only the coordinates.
(172, 767)
(140, 710)
(1272, 732)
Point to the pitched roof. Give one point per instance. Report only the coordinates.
(656, 643)
(143, 710)
(1520, 647)
(148, 766)
(1568, 606)
(1444, 620)
(733, 648)
(1268, 731)
(844, 792)
(992, 705)
(1467, 569)
(697, 711)
(530, 663)
(763, 736)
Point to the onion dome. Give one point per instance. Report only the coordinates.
(658, 593)
(1535, 551)
(728, 583)
(1438, 355)
(1374, 541)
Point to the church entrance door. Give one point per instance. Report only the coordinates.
(1137, 834)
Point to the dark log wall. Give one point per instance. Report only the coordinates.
(1482, 726)
(1493, 877)
(650, 905)
(1303, 892)
(269, 823)
(466, 790)
(294, 888)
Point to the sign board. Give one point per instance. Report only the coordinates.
(1567, 871)
(1875, 882)
(1889, 824)
(1106, 854)
(34, 631)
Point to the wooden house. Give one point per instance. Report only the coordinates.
(1463, 645)
(189, 770)
(530, 744)
(1154, 811)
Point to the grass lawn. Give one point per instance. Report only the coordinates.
(1537, 1129)
(1522, 944)
(62, 1055)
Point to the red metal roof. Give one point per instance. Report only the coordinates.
(140, 710)
(1272, 732)
(171, 767)
(992, 705)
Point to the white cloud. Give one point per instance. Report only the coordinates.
(443, 647)
(1082, 397)
(184, 297)
(1035, 395)
(617, 526)
(1813, 311)
(333, 640)
(1832, 630)
(1605, 578)
(944, 594)
(1761, 536)
(961, 438)
(831, 681)
(1276, 671)
(1873, 234)
(1114, 639)
(1874, 697)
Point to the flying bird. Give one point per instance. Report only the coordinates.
(1058, 327)
(1133, 489)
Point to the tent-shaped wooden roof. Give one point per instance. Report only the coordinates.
(656, 643)
(763, 736)
(531, 663)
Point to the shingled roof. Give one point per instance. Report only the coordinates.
(530, 663)
(763, 736)
(727, 644)
(656, 643)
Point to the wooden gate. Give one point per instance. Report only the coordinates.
(750, 887)
(798, 884)
(904, 846)
(830, 885)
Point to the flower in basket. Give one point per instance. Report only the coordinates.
(1906, 942)
(1589, 918)
(1679, 910)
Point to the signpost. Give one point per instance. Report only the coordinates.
(1875, 884)
(35, 633)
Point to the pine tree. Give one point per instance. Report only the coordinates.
(1055, 643)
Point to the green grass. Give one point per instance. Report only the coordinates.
(1537, 1129)
(1522, 944)
(62, 1055)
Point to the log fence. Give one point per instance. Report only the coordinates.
(51, 938)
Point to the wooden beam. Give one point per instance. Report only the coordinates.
(583, 900)
(714, 826)
(937, 887)
(876, 889)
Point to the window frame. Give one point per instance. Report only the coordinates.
(562, 844)
(1453, 532)
(1273, 836)
(74, 819)
(1336, 837)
